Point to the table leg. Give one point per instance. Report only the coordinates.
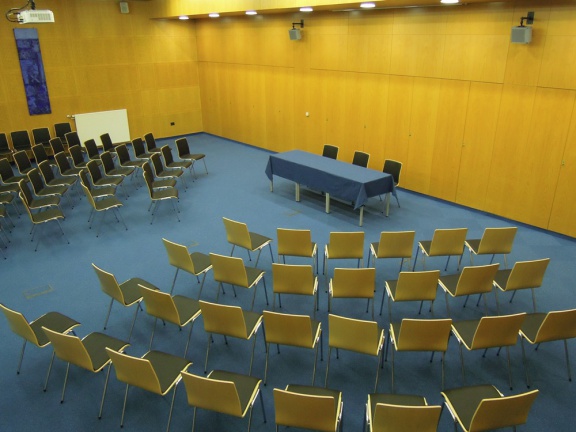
(361, 216)
(271, 186)
(298, 192)
(388, 195)
(327, 202)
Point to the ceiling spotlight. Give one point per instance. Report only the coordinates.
(251, 12)
(449, 1)
(183, 17)
(367, 5)
(306, 9)
(214, 15)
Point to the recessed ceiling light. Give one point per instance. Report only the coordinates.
(214, 15)
(449, 1)
(306, 9)
(367, 5)
(251, 12)
(183, 17)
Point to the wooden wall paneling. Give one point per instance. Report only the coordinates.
(450, 124)
(309, 132)
(397, 132)
(338, 125)
(279, 108)
(209, 95)
(423, 119)
(326, 51)
(373, 92)
(355, 106)
(476, 156)
(493, 18)
(276, 47)
(558, 69)
(563, 211)
(420, 21)
(417, 55)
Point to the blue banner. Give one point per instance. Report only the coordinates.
(32, 71)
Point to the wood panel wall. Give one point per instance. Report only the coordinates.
(97, 59)
(476, 120)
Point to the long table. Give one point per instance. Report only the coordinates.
(350, 183)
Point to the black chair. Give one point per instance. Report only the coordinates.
(20, 140)
(361, 159)
(7, 174)
(140, 150)
(58, 146)
(23, 162)
(40, 155)
(61, 129)
(393, 168)
(42, 136)
(5, 150)
(184, 154)
(151, 144)
(73, 139)
(92, 150)
(330, 151)
(107, 143)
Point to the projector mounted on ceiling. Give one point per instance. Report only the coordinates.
(35, 16)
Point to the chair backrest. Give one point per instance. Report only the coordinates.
(4, 147)
(57, 146)
(305, 411)
(476, 280)
(159, 304)
(167, 154)
(178, 256)
(157, 162)
(421, 285)
(36, 179)
(346, 245)
(497, 331)
(20, 140)
(182, 146)
(237, 233)
(107, 142)
(424, 335)
(396, 244)
(557, 325)
(109, 284)
(69, 348)
(107, 162)
(394, 168)
(330, 151)
(135, 371)
(497, 413)
(123, 154)
(46, 171)
(287, 329)
(361, 159)
(62, 162)
(150, 141)
(497, 240)
(76, 154)
(94, 170)
(25, 192)
(73, 139)
(293, 279)
(138, 146)
(22, 161)
(448, 241)
(230, 270)
(355, 335)
(19, 325)
(41, 135)
(527, 274)
(5, 170)
(211, 394)
(406, 418)
(148, 179)
(85, 183)
(91, 148)
(294, 242)
(39, 153)
(223, 319)
(354, 282)
(61, 129)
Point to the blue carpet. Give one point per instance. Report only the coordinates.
(60, 277)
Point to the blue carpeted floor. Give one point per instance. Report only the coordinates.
(60, 277)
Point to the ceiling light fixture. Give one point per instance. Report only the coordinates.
(306, 9)
(251, 12)
(214, 15)
(183, 17)
(449, 1)
(367, 5)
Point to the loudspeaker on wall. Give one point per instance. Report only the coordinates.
(522, 35)
(295, 34)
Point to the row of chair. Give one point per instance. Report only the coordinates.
(207, 392)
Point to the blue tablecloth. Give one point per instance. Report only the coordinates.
(340, 179)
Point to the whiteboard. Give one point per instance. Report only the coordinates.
(92, 125)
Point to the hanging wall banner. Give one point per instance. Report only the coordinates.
(32, 71)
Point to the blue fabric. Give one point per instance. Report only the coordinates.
(340, 179)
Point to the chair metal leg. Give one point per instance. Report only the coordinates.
(21, 357)
(49, 370)
(108, 314)
(202, 284)
(252, 356)
(266, 363)
(65, 382)
(174, 280)
(462, 363)
(415, 258)
(525, 362)
(392, 368)
(567, 360)
(124, 406)
(327, 366)
(104, 392)
(153, 331)
(207, 353)
(509, 368)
